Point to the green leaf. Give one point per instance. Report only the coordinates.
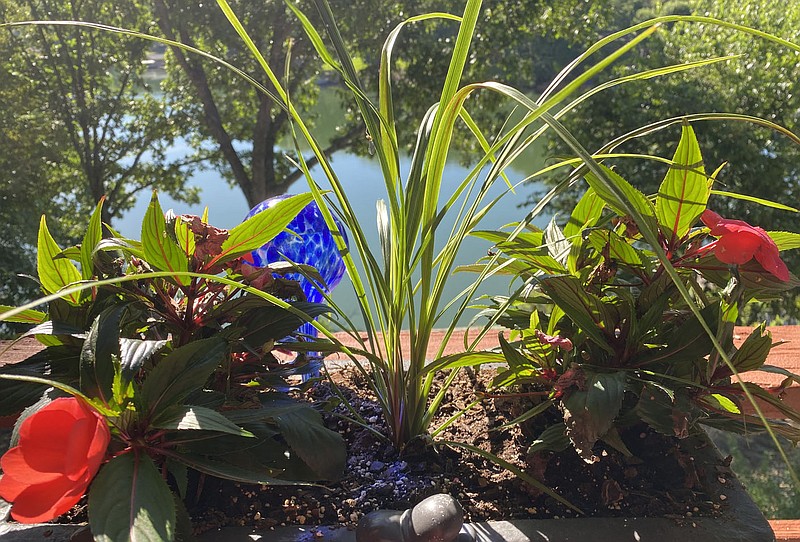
(93, 235)
(557, 244)
(720, 402)
(160, 251)
(57, 362)
(185, 237)
(29, 316)
(197, 418)
(261, 228)
(224, 470)
(528, 247)
(130, 501)
(585, 214)
(754, 350)
(635, 198)
(304, 431)
(689, 342)
(100, 350)
(134, 353)
(268, 323)
(585, 309)
(54, 273)
(513, 357)
(181, 372)
(617, 248)
(683, 195)
(785, 240)
(655, 408)
(552, 439)
(590, 414)
(463, 359)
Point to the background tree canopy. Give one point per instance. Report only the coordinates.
(80, 121)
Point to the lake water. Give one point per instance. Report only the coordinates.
(363, 183)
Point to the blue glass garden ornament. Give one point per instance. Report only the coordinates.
(309, 242)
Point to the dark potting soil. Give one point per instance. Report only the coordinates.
(658, 479)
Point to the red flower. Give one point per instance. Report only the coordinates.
(60, 449)
(739, 242)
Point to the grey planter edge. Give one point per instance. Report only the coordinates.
(740, 521)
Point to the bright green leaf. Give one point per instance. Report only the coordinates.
(261, 228)
(54, 273)
(93, 235)
(160, 250)
(29, 316)
(683, 195)
(185, 237)
(585, 214)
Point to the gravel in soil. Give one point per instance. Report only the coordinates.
(657, 480)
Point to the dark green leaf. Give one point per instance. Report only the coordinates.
(589, 414)
(301, 426)
(552, 439)
(224, 470)
(683, 195)
(655, 408)
(261, 228)
(160, 251)
(181, 372)
(134, 353)
(188, 417)
(263, 324)
(130, 501)
(57, 362)
(689, 342)
(100, 351)
(754, 351)
(54, 273)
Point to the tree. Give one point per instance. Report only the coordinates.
(113, 134)
(245, 126)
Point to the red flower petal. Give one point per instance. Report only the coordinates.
(43, 502)
(737, 249)
(16, 462)
(770, 259)
(60, 449)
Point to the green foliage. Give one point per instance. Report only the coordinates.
(171, 341)
(758, 82)
(620, 342)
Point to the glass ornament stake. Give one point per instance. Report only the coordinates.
(309, 241)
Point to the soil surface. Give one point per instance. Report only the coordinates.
(658, 480)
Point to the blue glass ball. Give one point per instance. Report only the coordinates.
(312, 245)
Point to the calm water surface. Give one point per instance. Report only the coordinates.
(363, 183)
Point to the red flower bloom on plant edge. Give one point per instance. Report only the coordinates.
(60, 449)
(739, 242)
